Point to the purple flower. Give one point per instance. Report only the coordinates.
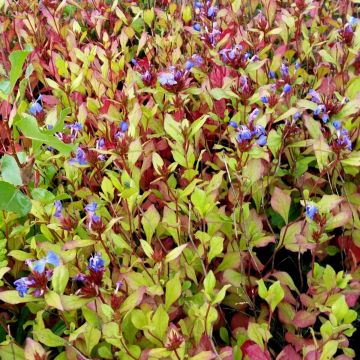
(254, 114)
(286, 88)
(58, 208)
(259, 131)
(233, 124)
(319, 109)
(315, 97)
(337, 124)
(22, 285)
(197, 27)
(297, 65)
(284, 70)
(189, 64)
(100, 143)
(297, 115)
(348, 29)
(167, 78)
(262, 140)
(264, 99)
(146, 77)
(91, 208)
(198, 5)
(80, 157)
(134, 62)
(52, 258)
(212, 11)
(96, 263)
(311, 210)
(344, 139)
(197, 59)
(353, 21)
(75, 126)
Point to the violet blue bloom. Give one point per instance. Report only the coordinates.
(233, 124)
(261, 141)
(51, 258)
(259, 131)
(311, 210)
(287, 88)
(353, 20)
(271, 74)
(325, 118)
(319, 109)
(244, 134)
(264, 99)
(80, 157)
(315, 97)
(167, 78)
(134, 62)
(197, 59)
(254, 114)
(58, 208)
(96, 263)
(22, 285)
(297, 115)
(284, 70)
(124, 126)
(91, 208)
(35, 108)
(337, 124)
(212, 11)
(189, 65)
(197, 27)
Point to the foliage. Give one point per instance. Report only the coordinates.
(179, 180)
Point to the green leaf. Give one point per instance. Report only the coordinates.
(200, 201)
(73, 302)
(133, 300)
(274, 142)
(173, 129)
(20, 255)
(149, 252)
(12, 199)
(48, 338)
(29, 127)
(13, 297)
(220, 295)
(60, 279)
(150, 220)
(17, 60)
(175, 253)
(216, 247)
(340, 308)
(10, 171)
(280, 202)
(160, 321)
(149, 15)
(92, 337)
(209, 284)
(139, 319)
(329, 350)
(53, 299)
(173, 291)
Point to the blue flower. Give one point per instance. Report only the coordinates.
(297, 115)
(286, 88)
(271, 74)
(96, 263)
(134, 62)
(325, 118)
(58, 208)
(244, 134)
(233, 124)
(22, 285)
(35, 108)
(189, 65)
(319, 109)
(167, 78)
(259, 131)
(52, 258)
(337, 124)
(212, 11)
(261, 141)
(297, 65)
(197, 27)
(198, 4)
(264, 99)
(75, 126)
(80, 157)
(353, 20)
(100, 144)
(91, 208)
(311, 210)
(124, 126)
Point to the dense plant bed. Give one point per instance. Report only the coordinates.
(179, 180)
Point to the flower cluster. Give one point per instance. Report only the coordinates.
(39, 277)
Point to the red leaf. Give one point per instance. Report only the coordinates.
(304, 319)
(288, 353)
(254, 351)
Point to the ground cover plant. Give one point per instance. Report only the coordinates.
(179, 180)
